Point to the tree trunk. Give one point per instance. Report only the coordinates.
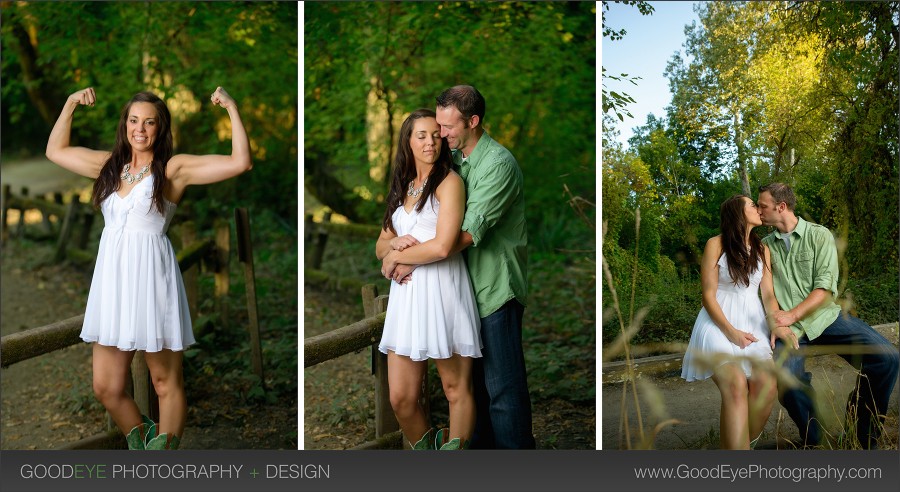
(39, 91)
(741, 154)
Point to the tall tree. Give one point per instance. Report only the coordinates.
(861, 42)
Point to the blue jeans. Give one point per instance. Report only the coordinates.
(502, 404)
(877, 375)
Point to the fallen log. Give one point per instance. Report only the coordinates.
(616, 372)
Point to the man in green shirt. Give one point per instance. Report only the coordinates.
(494, 238)
(805, 273)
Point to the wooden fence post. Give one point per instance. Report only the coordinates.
(222, 275)
(87, 221)
(58, 199)
(4, 220)
(191, 286)
(144, 395)
(308, 227)
(321, 241)
(66, 230)
(45, 216)
(245, 254)
(20, 227)
(385, 421)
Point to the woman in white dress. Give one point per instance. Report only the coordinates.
(431, 313)
(137, 299)
(730, 339)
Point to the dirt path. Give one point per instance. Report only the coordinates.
(46, 400)
(696, 407)
(40, 176)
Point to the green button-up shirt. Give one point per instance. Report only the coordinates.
(811, 263)
(495, 217)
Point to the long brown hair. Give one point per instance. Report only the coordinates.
(110, 175)
(733, 224)
(404, 170)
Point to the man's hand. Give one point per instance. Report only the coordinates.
(784, 318)
(787, 335)
(403, 242)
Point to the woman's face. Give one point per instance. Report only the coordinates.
(425, 140)
(751, 213)
(142, 126)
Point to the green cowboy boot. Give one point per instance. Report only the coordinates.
(452, 444)
(425, 443)
(149, 429)
(140, 434)
(163, 442)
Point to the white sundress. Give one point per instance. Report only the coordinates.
(434, 315)
(744, 310)
(137, 299)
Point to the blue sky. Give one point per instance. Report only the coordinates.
(644, 51)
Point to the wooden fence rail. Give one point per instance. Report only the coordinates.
(617, 371)
(68, 216)
(341, 341)
(321, 231)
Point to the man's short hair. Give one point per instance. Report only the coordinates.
(466, 99)
(781, 193)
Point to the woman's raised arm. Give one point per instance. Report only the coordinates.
(79, 160)
(184, 169)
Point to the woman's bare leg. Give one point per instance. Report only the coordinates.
(733, 420)
(456, 378)
(168, 381)
(763, 391)
(111, 372)
(405, 378)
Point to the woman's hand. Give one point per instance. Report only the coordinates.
(388, 264)
(403, 242)
(403, 273)
(740, 338)
(222, 98)
(84, 97)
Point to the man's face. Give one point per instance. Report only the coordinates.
(454, 127)
(768, 209)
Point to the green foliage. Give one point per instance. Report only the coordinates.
(613, 101)
(674, 299)
(875, 297)
(393, 58)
